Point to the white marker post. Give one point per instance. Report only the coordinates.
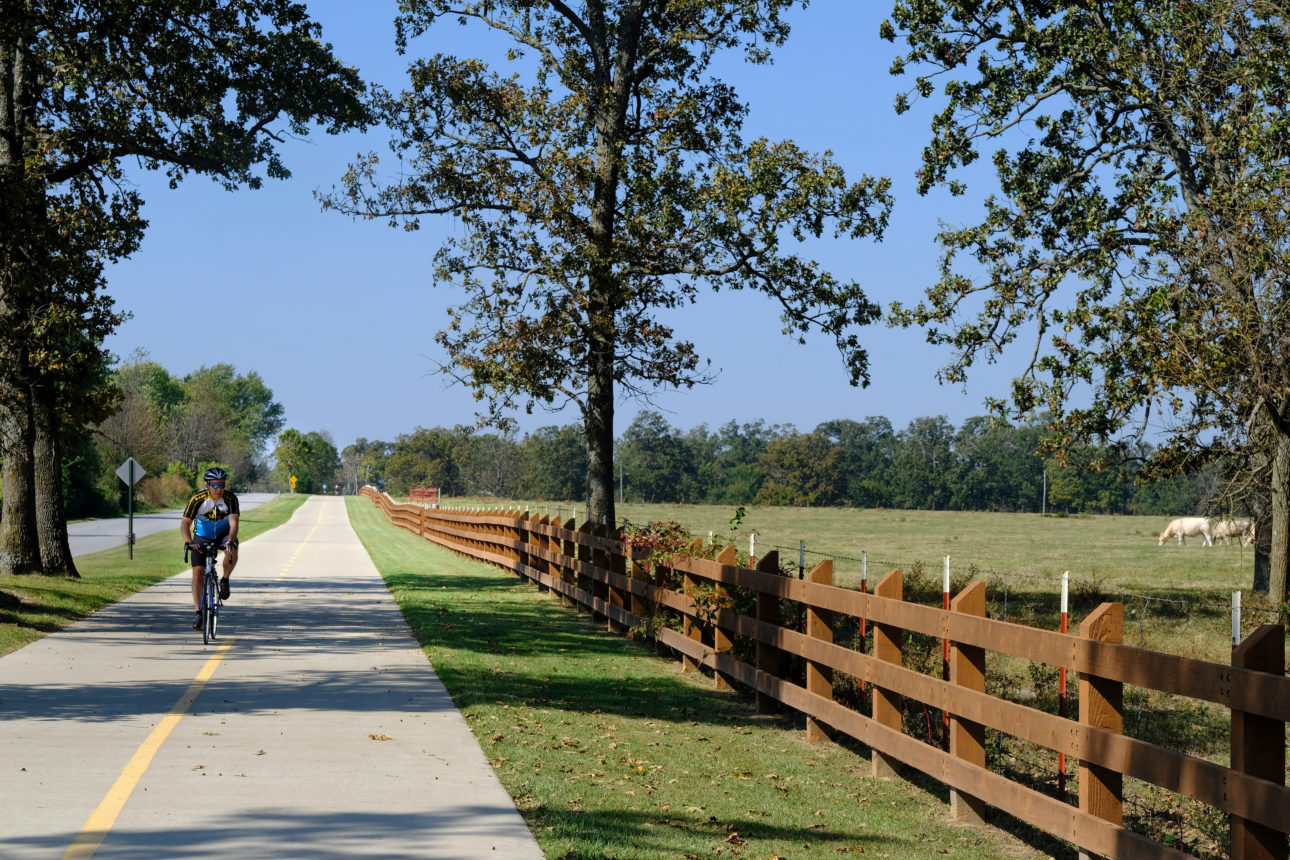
(1061, 687)
(945, 651)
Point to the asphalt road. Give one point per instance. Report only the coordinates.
(93, 535)
(315, 727)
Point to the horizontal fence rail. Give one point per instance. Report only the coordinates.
(733, 622)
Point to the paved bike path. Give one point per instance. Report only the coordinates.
(320, 729)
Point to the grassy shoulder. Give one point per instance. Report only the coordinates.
(612, 752)
(33, 606)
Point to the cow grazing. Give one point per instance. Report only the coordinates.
(1228, 530)
(1185, 527)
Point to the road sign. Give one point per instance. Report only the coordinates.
(130, 472)
(293, 482)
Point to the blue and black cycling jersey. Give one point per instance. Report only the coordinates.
(210, 517)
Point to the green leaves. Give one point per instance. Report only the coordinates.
(1118, 239)
(598, 181)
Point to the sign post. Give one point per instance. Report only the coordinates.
(130, 472)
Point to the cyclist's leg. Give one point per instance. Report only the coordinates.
(197, 558)
(230, 561)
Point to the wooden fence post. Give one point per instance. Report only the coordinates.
(819, 625)
(660, 574)
(521, 545)
(543, 566)
(570, 551)
(1101, 705)
(721, 641)
(641, 607)
(600, 561)
(887, 647)
(617, 596)
(691, 630)
(586, 583)
(967, 670)
(768, 656)
(1259, 744)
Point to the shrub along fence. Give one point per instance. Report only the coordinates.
(739, 623)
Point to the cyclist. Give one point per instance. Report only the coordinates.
(214, 511)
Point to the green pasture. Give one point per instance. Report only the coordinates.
(613, 752)
(33, 606)
(1120, 552)
(1176, 600)
(1021, 558)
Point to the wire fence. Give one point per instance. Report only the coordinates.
(1017, 593)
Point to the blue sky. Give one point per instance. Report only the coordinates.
(338, 316)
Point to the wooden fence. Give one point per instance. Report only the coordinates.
(587, 567)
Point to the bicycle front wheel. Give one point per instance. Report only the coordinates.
(208, 610)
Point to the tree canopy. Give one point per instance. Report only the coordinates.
(310, 457)
(185, 86)
(600, 182)
(1137, 244)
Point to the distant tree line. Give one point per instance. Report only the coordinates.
(983, 465)
(174, 427)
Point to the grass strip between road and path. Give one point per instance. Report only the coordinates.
(609, 751)
(34, 606)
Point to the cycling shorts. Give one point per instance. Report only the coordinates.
(201, 547)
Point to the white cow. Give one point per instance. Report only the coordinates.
(1229, 529)
(1185, 527)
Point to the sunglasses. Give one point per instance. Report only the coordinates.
(217, 486)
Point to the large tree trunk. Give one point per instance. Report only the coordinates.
(19, 544)
(600, 441)
(603, 286)
(51, 503)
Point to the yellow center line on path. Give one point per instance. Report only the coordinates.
(101, 820)
(300, 548)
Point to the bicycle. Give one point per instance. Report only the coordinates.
(211, 601)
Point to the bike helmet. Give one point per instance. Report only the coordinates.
(215, 473)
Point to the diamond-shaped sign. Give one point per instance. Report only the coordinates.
(125, 474)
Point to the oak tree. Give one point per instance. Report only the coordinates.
(185, 86)
(1137, 245)
(600, 181)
